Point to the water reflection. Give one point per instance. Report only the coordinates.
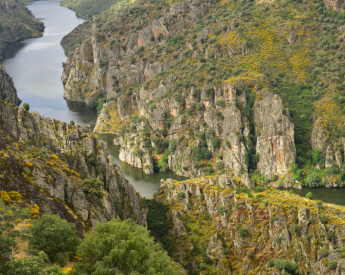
(146, 185)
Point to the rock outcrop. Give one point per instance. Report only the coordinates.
(218, 225)
(7, 87)
(57, 157)
(275, 142)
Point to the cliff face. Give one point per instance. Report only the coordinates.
(204, 87)
(46, 161)
(217, 135)
(7, 87)
(217, 225)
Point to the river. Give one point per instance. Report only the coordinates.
(36, 68)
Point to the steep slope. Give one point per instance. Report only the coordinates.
(49, 163)
(88, 8)
(202, 87)
(218, 226)
(17, 23)
(7, 87)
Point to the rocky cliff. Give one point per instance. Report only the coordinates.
(204, 87)
(217, 225)
(48, 161)
(7, 87)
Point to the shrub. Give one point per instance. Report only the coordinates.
(181, 196)
(323, 252)
(319, 204)
(202, 266)
(294, 168)
(243, 232)
(266, 203)
(216, 142)
(330, 235)
(271, 263)
(274, 178)
(316, 156)
(200, 106)
(71, 123)
(309, 195)
(297, 229)
(122, 247)
(220, 103)
(26, 106)
(92, 187)
(222, 209)
(332, 265)
(290, 267)
(7, 100)
(54, 236)
(323, 218)
(313, 180)
(250, 255)
(279, 264)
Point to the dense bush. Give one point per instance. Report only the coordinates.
(313, 180)
(122, 247)
(54, 236)
(92, 187)
(309, 195)
(323, 252)
(26, 106)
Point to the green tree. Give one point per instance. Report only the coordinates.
(313, 180)
(309, 195)
(37, 265)
(26, 106)
(54, 236)
(122, 247)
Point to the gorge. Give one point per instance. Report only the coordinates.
(219, 112)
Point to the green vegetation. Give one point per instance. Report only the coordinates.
(54, 236)
(87, 8)
(92, 187)
(16, 23)
(26, 106)
(122, 247)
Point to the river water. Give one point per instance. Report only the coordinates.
(36, 68)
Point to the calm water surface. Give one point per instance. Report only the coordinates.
(36, 68)
(328, 195)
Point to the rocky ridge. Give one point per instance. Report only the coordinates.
(46, 160)
(218, 225)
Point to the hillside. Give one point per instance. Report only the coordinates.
(215, 225)
(201, 87)
(48, 163)
(88, 8)
(17, 23)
